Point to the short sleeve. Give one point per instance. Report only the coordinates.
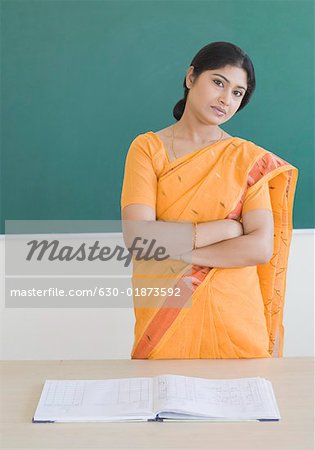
(257, 198)
(140, 180)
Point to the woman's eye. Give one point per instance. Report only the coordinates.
(219, 81)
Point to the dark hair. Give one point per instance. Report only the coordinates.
(214, 56)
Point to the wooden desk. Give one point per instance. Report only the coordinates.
(292, 380)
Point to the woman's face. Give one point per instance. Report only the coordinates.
(211, 89)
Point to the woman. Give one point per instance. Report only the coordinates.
(237, 197)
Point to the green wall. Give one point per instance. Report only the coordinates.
(80, 79)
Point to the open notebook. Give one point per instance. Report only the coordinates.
(160, 398)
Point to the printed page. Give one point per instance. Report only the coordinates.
(95, 400)
(243, 398)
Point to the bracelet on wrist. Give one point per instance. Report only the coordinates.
(195, 235)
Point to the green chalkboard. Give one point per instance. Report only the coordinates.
(81, 79)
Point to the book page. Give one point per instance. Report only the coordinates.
(90, 400)
(247, 398)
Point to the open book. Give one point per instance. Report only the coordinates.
(160, 398)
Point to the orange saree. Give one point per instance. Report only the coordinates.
(233, 312)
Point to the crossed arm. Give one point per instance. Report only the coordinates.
(255, 246)
(221, 243)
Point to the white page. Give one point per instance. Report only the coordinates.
(244, 398)
(180, 417)
(92, 400)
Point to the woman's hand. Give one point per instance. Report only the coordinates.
(233, 229)
(236, 228)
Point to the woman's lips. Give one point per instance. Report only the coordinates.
(217, 111)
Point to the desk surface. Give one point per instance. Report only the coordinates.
(292, 380)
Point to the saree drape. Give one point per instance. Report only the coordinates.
(233, 312)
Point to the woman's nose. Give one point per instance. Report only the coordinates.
(225, 98)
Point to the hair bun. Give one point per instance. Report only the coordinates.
(179, 108)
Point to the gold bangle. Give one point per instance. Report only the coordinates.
(195, 235)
